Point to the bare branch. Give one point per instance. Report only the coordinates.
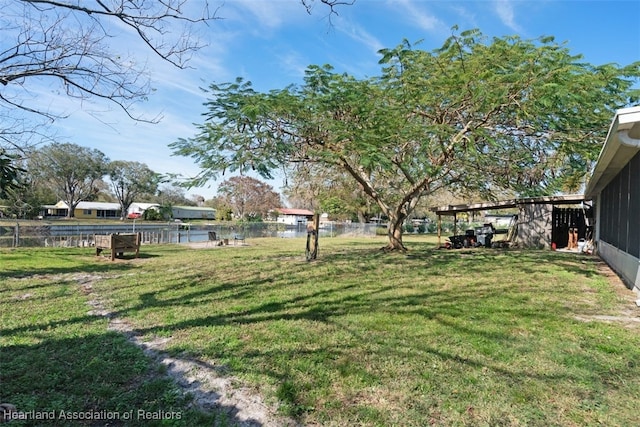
(66, 44)
(333, 4)
(308, 4)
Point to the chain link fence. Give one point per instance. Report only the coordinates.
(76, 235)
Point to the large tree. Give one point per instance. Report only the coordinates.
(248, 197)
(172, 193)
(68, 46)
(131, 180)
(71, 171)
(475, 115)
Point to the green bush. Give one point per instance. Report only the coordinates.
(381, 231)
(152, 215)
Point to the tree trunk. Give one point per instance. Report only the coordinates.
(395, 235)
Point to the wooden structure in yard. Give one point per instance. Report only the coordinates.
(540, 222)
(118, 244)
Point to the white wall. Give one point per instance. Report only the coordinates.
(627, 266)
(291, 219)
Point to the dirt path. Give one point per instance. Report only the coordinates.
(212, 389)
(628, 313)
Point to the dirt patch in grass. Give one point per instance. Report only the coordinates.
(212, 389)
(627, 313)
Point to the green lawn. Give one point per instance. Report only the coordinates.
(358, 337)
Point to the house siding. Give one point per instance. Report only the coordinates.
(85, 210)
(188, 212)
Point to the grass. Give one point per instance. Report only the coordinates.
(359, 337)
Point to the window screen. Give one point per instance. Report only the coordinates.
(620, 209)
(634, 206)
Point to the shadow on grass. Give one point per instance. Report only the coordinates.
(479, 313)
(352, 298)
(467, 310)
(96, 380)
(39, 262)
(127, 256)
(61, 367)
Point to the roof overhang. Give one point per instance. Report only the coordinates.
(513, 203)
(622, 143)
(292, 211)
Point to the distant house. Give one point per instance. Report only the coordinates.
(140, 208)
(193, 212)
(84, 210)
(615, 189)
(294, 216)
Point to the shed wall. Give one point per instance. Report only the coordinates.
(534, 225)
(292, 219)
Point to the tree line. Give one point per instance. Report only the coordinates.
(72, 173)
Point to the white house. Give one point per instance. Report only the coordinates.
(139, 208)
(614, 188)
(84, 210)
(294, 216)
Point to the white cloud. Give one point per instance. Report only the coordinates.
(465, 16)
(266, 14)
(504, 9)
(294, 62)
(419, 16)
(133, 141)
(359, 34)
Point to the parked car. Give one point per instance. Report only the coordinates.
(134, 215)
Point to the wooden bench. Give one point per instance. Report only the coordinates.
(118, 244)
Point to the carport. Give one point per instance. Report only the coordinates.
(542, 222)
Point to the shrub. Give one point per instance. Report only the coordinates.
(381, 231)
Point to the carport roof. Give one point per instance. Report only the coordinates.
(555, 200)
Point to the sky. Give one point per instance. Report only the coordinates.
(270, 43)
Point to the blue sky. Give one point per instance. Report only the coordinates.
(271, 43)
